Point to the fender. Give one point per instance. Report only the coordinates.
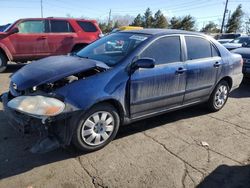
(6, 51)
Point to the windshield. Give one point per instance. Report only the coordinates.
(113, 48)
(240, 40)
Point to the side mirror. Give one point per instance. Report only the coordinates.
(13, 31)
(145, 63)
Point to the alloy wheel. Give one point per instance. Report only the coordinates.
(97, 128)
(221, 96)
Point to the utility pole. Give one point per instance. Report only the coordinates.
(224, 15)
(109, 20)
(41, 8)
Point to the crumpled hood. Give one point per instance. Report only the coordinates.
(51, 69)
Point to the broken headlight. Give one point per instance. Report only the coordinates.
(37, 105)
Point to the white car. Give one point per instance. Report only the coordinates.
(236, 43)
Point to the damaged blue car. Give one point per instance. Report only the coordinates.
(121, 78)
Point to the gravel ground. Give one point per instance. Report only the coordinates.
(165, 151)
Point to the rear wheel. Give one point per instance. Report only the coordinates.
(3, 62)
(96, 128)
(219, 96)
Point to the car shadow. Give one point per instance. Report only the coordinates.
(227, 177)
(243, 91)
(15, 157)
(11, 68)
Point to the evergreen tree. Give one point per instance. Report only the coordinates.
(175, 23)
(160, 20)
(235, 21)
(148, 19)
(211, 27)
(188, 23)
(137, 21)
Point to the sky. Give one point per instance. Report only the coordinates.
(202, 10)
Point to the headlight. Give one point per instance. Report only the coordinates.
(37, 105)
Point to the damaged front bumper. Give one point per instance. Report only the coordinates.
(53, 133)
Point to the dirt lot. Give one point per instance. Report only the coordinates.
(164, 151)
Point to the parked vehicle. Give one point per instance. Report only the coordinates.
(3, 27)
(35, 38)
(84, 98)
(237, 43)
(245, 53)
(126, 28)
(228, 37)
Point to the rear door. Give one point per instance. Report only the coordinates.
(203, 63)
(61, 37)
(163, 86)
(31, 40)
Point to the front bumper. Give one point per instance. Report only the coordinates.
(53, 133)
(19, 121)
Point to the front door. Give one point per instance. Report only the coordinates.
(203, 63)
(31, 40)
(162, 87)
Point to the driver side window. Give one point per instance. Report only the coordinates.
(164, 50)
(32, 26)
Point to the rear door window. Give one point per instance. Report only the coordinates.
(60, 26)
(198, 48)
(87, 26)
(32, 26)
(164, 50)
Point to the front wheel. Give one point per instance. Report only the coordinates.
(219, 96)
(96, 128)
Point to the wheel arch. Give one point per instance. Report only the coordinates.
(229, 80)
(5, 52)
(116, 104)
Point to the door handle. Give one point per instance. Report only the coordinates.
(217, 64)
(181, 70)
(42, 38)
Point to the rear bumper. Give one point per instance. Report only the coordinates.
(237, 79)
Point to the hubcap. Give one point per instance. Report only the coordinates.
(97, 128)
(221, 96)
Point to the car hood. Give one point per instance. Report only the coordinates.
(244, 52)
(51, 69)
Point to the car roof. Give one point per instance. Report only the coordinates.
(57, 18)
(163, 32)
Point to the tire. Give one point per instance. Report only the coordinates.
(219, 96)
(96, 128)
(3, 62)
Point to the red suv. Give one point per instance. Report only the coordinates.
(35, 38)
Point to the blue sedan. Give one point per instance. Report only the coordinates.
(121, 78)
